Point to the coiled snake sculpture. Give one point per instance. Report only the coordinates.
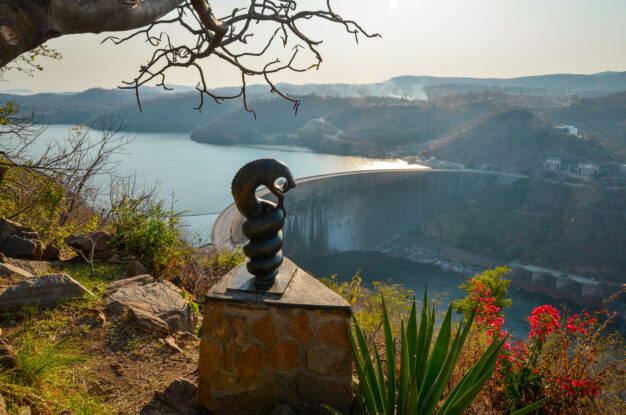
(264, 219)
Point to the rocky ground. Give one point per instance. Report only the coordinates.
(133, 338)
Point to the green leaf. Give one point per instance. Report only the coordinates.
(390, 352)
(531, 407)
(333, 411)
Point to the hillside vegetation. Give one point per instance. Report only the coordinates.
(515, 140)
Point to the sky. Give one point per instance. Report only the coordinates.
(475, 38)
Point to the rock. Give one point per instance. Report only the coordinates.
(34, 267)
(138, 280)
(180, 395)
(25, 411)
(100, 241)
(51, 253)
(42, 290)
(3, 258)
(149, 322)
(136, 268)
(171, 343)
(159, 299)
(7, 228)
(179, 398)
(283, 409)
(19, 246)
(12, 272)
(19, 241)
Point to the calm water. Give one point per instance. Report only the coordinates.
(375, 266)
(200, 174)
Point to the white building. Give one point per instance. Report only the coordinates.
(569, 128)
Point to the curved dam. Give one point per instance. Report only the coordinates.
(372, 210)
(360, 211)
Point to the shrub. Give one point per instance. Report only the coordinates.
(417, 383)
(151, 232)
(572, 362)
(488, 284)
(367, 301)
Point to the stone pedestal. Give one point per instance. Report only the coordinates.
(260, 351)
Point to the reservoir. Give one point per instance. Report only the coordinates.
(199, 175)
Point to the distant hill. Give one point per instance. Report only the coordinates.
(161, 113)
(474, 121)
(515, 140)
(358, 126)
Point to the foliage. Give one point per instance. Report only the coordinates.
(367, 301)
(221, 262)
(488, 284)
(418, 381)
(570, 362)
(203, 270)
(151, 232)
(26, 62)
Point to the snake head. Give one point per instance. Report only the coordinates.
(280, 170)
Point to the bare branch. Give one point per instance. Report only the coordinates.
(228, 39)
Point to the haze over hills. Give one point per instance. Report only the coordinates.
(404, 116)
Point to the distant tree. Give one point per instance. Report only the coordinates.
(244, 39)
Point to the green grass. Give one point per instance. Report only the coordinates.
(51, 362)
(99, 279)
(45, 376)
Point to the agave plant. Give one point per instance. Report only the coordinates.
(424, 368)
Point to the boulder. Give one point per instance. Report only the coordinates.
(11, 272)
(7, 228)
(34, 267)
(20, 246)
(282, 409)
(147, 321)
(51, 253)
(180, 398)
(100, 241)
(152, 302)
(41, 291)
(19, 241)
(136, 281)
(135, 268)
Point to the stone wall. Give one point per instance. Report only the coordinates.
(257, 355)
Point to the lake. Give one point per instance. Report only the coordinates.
(199, 175)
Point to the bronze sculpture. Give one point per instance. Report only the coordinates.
(264, 219)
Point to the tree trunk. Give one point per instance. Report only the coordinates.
(2, 171)
(26, 24)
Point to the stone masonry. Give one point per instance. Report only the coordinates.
(260, 352)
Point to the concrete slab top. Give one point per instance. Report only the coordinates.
(303, 291)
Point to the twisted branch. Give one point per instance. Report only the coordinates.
(228, 39)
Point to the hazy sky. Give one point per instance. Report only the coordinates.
(478, 38)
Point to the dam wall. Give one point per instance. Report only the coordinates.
(369, 210)
(364, 210)
(360, 210)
